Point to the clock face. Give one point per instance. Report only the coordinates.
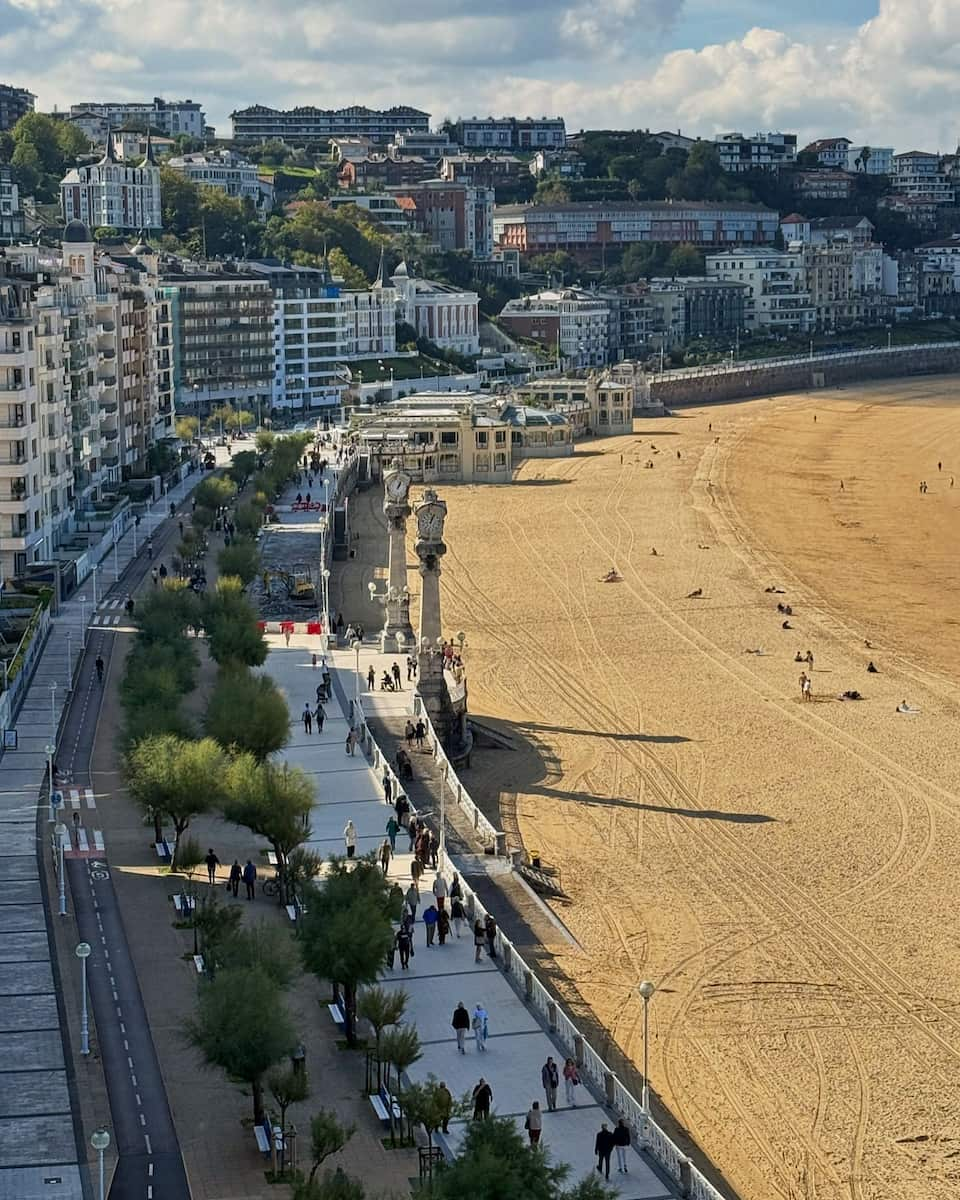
(396, 486)
(431, 524)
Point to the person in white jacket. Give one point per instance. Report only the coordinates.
(350, 838)
(440, 890)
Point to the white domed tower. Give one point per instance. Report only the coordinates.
(77, 253)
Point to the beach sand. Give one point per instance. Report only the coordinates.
(785, 872)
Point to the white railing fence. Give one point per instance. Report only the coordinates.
(821, 358)
(645, 1131)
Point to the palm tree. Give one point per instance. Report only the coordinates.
(381, 1008)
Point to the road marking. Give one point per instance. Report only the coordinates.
(143, 1120)
(139, 1101)
(146, 1138)
(89, 797)
(74, 798)
(123, 1029)
(133, 1080)
(129, 1062)
(98, 840)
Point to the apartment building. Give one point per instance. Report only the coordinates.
(762, 152)
(308, 124)
(228, 172)
(599, 405)
(113, 194)
(222, 326)
(830, 152)
(130, 145)
(11, 215)
(778, 299)
(589, 228)
(819, 231)
(451, 216)
(668, 316)
(822, 185)
(571, 323)
(382, 171)
(422, 145)
(15, 102)
(511, 133)
(481, 170)
(382, 208)
(448, 316)
(944, 253)
(564, 164)
(170, 117)
(318, 329)
(919, 175)
(82, 398)
(712, 307)
(870, 160)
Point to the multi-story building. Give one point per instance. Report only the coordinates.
(565, 164)
(308, 124)
(319, 328)
(943, 253)
(481, 170)
(171, 117)
(512, 133)
(227, 172)
(382, 208)
(832, 283)
(81, 393)
(712, 307)
(822, 185)
(778, 299)
(590, 228)
(354, 148)
(422, 145)
(114, 194)
(919, 211)
(673, 141)
(762, 152)
(131, 145)
(628, 332)
(856, 230)
(11, 215)
(382, 171)
(572, 323)
(222, 324)
(15, 102)
(924, 281)
(668, 316)
(447, 316)
(452, 216)
(830, 152)
(920, 175)
(870, 160)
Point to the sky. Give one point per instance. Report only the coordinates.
(883, 72)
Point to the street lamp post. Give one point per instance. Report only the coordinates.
(93, 575)
(355, 646)
(83, 623)
(83, 953)
(60, 832)
(69, 660)
(646, 990)
(53, 713)
(116, 561)
(325, 575)
(100, 1140)
(443, 818)
(50, 750)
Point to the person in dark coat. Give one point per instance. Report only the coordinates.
(236, 874)
(461, 1023)
(250, 879)
(483, 1098)
(621, 1142)
(603, 1148)
(403, 942)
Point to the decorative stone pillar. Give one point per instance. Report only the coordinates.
(397, 633)
(431, 513)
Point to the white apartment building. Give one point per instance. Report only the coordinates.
(512, 133)
(820, 231)
(422, 145)
(870, 160)
(778, 299)
(258, 123)
(445, 315)
(762, 152)
(919, 175)
(113, 194)
(830, 152)
(11, 217)
(944, 254)
(571, 322)
(382, 207)
(318, 329)
(171, 117)
(228, 172)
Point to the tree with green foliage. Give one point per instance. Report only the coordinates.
(352, 276)
(243, 467)
(179, 202)
(176, 777)
(240, 558)
(431, 1106)
(242, 1026)
(186, 428)
(216, 924)
(264, 440)
(400, 1048)
(246, 713)
(287, 1087)
(380, 1009)
(233, 635)
(551, 191)
(327, 1137)
(685, 260)
(346, 931)
(260, 946)
(216, 491)
(44, 149)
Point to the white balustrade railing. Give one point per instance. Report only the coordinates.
(592, 1067)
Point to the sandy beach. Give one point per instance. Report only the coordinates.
(784, 871)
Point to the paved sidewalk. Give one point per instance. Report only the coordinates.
(347, 787)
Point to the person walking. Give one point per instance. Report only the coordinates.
(350, 837)
(387, 788)
(550, 1078)
(433, 850)
(479, 1023)
(395, 672)
(319, 717)
(456, 888)
(411, 667)
(401, 806)
(490, 933)
(416, 870)
(409, 732)
(250, 879)
(444, 1106)
(212, 863)
(571, 1081)
(457, 915)
(420, 732)
(430, 921)
(603, 1148)
(307, 716)
(236, 874)
(443, 925)
(533, 1123)
(482, 1099)
(411, 897)
(803, 685)
(385, 855)
(313, 661)
(286, 636)
(351, 741)
(479, 938)
(461, 1023)
(621, 1143)
(440, 890)
(371, 679)
(393, 828)
(404, 945)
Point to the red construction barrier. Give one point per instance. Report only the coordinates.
(314, 627)
(262, 626)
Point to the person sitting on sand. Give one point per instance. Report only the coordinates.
(786, 625)
(612, 576)
(653, 551)
(695, 594)
(798, 657)
(871, 669)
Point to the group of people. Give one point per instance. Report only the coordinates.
(415, 733)
(247, 874)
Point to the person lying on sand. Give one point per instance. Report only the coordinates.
(695, 594)
(904, 707)
(759, 650)
(851, 694)
(612, 576)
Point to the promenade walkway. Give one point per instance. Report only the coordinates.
(347, 787)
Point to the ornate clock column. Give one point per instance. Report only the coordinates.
(397, 633)
(430, 547)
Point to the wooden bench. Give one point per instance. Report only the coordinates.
(198, 963)
(379, 1102)
(336, 1013)
(163, 851)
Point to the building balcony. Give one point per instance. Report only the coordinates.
(13, 359)
(110, 435)
(108, 405)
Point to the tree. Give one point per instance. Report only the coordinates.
(264, 440)
(335, 1185)
(179, 202)
(27, 169)
(44, 149)
(401, 1049)
(244, 464)
(287, 1087)
(216, 923)
(233, 635)
(381, 1008)
(346, 931)
(242, 1026)
(685, 260)
(551, 191)
(186, 428)
(353, 277)
(216, 491)
(240, 558)
(327, 1137)
(427, 1105)
(174, 776)
(258, 946)
(247, 713)
(219, 419)
(273, 801)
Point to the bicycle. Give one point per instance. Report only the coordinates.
(271, 887)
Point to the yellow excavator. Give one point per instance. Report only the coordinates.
(297, 584)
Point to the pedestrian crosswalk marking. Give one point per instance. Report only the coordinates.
(98, 840)
(74, 796)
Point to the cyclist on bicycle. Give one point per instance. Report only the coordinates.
(99, 666)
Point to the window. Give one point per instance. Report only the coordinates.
(482, 463)
(483, 439)
(449, 464)
(500, 437)
(604, 417)
(448, 437)
(500, 461)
